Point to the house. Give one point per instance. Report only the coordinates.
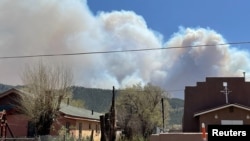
(216, 101)
(77, 122)
(17, 122)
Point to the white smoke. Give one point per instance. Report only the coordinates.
(31, 27)
(186, 66)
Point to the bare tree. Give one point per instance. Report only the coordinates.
(44, 89)
(139, 109)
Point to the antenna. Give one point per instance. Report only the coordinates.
(244, 75)
(225, 91)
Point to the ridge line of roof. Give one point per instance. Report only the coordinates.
(222, 107)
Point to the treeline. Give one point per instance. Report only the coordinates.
(176, 112)
(99, 100)
(95, 99)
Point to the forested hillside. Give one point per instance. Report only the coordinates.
(95, 99)
(176, 112)
(99, 100)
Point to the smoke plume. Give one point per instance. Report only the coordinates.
(68, 26)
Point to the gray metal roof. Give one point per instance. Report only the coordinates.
(64, 108)
(79, 112)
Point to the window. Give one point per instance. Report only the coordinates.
(80, 130)
(96, 128)
(67, 126)
(89, 125)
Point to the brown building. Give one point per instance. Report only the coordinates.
(218, 100)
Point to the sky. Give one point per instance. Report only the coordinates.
(45, 27)
(229, 18)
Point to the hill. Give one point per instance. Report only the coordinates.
(99, 100)
(95, 99)
(176, 112)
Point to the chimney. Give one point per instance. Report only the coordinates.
(92, 112)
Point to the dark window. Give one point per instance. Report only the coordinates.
(67, 126)
(80, 130)
(89, 125)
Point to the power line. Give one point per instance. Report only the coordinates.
(120, 51)
(167, 91)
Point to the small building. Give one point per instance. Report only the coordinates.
(218, 100)
(72, 121)
(17, 122)
(78, 123)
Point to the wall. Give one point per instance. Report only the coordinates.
(87, 127)
(18, 125)
(225, 114)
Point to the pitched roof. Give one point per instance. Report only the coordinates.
(222, 107)
(75, 112)
(69, 111)
(12, 90)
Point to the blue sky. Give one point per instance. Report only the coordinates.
(227, 17)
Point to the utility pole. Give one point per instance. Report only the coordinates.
(108, 122)
(163, 117)
(112, 118)
(244, 75)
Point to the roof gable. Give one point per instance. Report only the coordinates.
(222, 107)
(10, 91)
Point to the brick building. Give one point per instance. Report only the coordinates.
(218, 100)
